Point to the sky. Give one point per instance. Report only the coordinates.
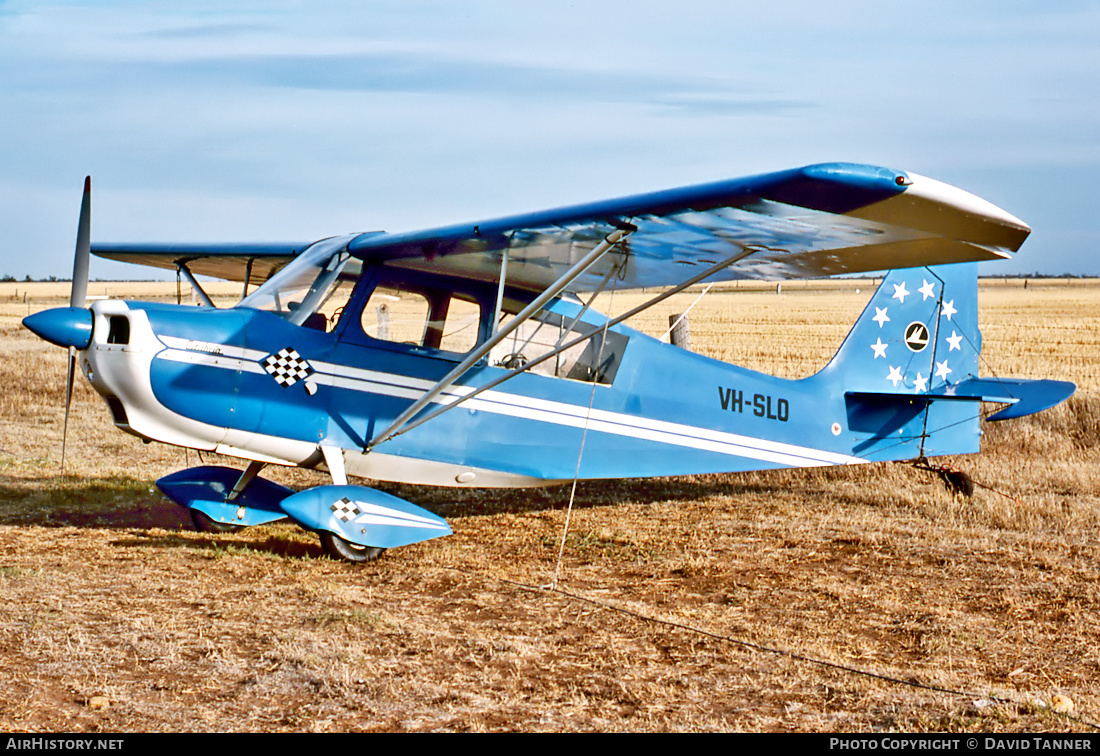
(283, 120)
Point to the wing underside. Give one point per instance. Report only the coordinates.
(810, 222)
(817, 221)
(232, 262)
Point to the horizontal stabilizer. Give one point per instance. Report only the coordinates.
(1025, 397)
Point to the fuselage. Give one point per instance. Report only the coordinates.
(251, 384)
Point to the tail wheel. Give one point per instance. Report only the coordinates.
(206, 524)
(346, 551)
(958, 482)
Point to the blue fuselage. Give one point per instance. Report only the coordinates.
(255, 379)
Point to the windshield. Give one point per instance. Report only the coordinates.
(314, 285)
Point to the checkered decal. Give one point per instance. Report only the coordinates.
(345, 509)
(287, 367)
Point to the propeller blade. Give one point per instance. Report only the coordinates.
(68, 404)
(78, 295)
(79, 292)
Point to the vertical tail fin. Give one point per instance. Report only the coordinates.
(908, 369)
(919, 333)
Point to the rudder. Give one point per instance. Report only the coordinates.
(919, 333)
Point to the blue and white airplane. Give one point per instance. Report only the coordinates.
(469, 355)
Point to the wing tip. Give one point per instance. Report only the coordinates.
(960, 199)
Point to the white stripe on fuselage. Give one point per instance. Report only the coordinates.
(210, 360)
(513, 405)
(375, 514)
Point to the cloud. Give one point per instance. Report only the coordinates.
(404, 114)
(417, 73)
(204, 31)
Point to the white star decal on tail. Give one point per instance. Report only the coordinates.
(948, 309)
(954, 339)
(895, 375)
(921, 383)
(880, 349)
(900, 292)
(928, 290)
(942, 370)
(881, 317)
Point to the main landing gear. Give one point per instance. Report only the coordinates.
(355, 523)
(205, 524)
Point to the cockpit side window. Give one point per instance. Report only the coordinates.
(448, 316)
(395, 315)
(597, 358)
(424, 317)
(461, 324)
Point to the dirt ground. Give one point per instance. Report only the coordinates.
(855, 599)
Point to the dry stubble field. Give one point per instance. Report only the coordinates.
(675, 592)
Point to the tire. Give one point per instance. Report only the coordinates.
(205, 524)
(513, 361)
(346, 551)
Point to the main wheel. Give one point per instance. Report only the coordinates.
(514, 361)
(346, 551)
(205, 524)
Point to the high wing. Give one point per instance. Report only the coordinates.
(232, 262)
(821, 220)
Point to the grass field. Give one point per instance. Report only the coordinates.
(702, 603)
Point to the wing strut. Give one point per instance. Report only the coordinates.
(500, 289)
(181, 266)
(475, 356)
(253, 469)
(580, 339)
(612, 271)
(247, 276)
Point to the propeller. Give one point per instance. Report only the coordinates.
(78, 296)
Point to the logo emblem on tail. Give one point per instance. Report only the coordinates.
(916, 336)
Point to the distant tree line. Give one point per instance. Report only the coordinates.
(1038, 275)
(48, 279)
(28, 279)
